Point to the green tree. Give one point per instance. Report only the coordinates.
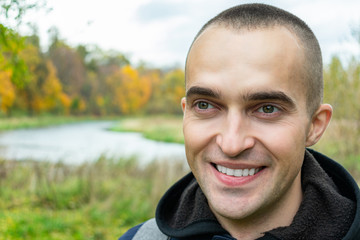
(342, 91)
(336, 86)
(11, 43)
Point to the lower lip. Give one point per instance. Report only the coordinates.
(233, 181)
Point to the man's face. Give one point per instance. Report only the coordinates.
(245, 120)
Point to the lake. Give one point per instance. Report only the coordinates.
(80, 142)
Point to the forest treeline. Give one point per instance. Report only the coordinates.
(81, 80)
(77, 80)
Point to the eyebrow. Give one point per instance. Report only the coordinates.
(202, 91)
(272, 95)
(256, 96)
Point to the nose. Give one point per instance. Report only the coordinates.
(235, 135)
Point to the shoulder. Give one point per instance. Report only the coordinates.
(131, 232)
(145, 231)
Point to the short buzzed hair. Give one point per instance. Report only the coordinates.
(261, 16)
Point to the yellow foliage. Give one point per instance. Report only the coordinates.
(7, 91)
(31, 56)
(82, 105)
(131, 91)
(38, 104)
(129, 72)
(65, 100)
(179, 92)
(52, 86)
(155, 77)
(174, 82)
(54, 97)
(100, 101)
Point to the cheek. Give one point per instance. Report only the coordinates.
(285, 141)
(283, 134)
(286, 144)
(198, 134)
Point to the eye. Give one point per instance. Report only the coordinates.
(204, 105)
(268, 109)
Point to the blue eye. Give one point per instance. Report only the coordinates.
(204, 105)
(268, 109)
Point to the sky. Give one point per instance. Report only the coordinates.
(159, 32)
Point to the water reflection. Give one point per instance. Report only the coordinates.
(80, 142)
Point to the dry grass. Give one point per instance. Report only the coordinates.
(158, 128)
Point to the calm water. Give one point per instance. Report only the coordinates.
(80, 142)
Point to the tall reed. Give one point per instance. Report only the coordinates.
(99, 200)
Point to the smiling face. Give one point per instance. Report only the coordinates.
(245, 122)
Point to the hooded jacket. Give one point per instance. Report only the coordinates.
(330, 209)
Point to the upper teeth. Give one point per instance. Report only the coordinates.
(237, 172)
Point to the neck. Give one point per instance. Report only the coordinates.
(279, 214)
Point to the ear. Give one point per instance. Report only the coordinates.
(183, 104)
(319, 122)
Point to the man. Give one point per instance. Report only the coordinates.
(252, 107)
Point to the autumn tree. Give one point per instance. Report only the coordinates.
(54, 97)
(69, 66)
(42, 90)
(130, 91)
(11, 43)
(174, 83)
(167, 94)
(84, 79)
(14, 73)
(7, 91)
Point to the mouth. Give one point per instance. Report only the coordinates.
(244, 172)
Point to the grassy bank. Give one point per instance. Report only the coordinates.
(100, 200)
(158, 128)
(43, 121)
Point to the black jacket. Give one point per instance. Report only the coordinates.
(330, 208)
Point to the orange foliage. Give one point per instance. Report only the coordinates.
(7, 91)
(65, 101)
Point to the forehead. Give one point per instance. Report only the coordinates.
(255, 58)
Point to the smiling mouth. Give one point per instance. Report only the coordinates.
(238, 172)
